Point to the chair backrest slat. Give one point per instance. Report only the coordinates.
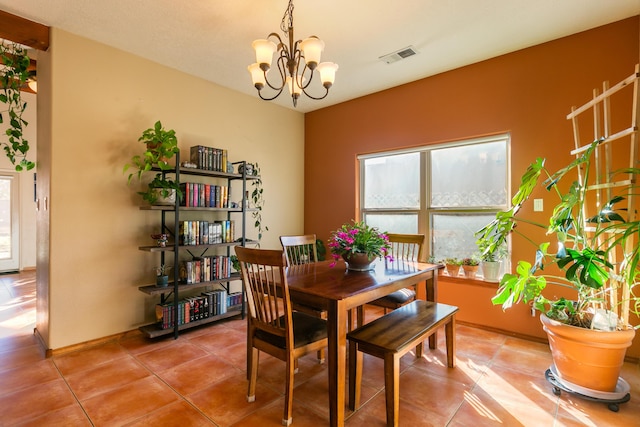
(300, 249)
(406, 246)
(265, 282)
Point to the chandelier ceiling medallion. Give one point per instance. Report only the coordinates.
(296, 62)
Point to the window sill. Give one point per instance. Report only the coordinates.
(465, 280)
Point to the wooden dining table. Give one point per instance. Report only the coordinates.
(337, 290)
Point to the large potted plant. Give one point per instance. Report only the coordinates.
(597, 257)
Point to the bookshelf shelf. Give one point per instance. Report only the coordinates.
(158, 290)
(190, 261)
(154, 330)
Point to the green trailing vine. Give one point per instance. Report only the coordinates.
(258, 202)
(13, 76)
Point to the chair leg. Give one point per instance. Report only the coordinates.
(355, 375)
(450, 336)
(392, 387)
(321, 357)
(253, 356)
(288, 393)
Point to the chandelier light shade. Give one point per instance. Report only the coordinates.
(297, 62)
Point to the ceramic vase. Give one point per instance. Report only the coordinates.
(358, 261)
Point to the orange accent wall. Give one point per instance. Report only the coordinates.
(527, 93)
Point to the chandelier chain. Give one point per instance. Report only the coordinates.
(284, 26)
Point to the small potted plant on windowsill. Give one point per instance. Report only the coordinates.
(453, 266)
(491, 259)
(470, 267)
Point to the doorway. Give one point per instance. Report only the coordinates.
(9, 222)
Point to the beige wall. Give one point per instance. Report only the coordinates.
(27, 212)
(101, 101)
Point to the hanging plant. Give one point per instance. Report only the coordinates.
(13, 76)
(258, 201)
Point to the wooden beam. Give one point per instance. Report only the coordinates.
(23, 31)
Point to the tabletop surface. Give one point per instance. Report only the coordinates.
(337, 282)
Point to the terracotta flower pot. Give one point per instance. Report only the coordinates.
(453, 269)
(470, 271)
(588, 358)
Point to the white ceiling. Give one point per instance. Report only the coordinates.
(212, 39)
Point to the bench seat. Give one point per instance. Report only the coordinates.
(392, 336)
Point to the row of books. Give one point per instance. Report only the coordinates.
(191, 309)
(209, 158)
(204, 195)
(205, 269)
(205, 232)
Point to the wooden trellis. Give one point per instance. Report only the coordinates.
(608, 156)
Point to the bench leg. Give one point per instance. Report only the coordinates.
(392, 387)
(355, 375)
(450, 335)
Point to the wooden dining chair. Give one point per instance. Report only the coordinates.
(274, 327)
(404, 247)
(300, 250)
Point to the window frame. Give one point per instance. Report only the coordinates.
(425, 212)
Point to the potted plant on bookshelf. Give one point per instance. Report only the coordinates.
(470, 267)
(161, 145)
(453, 266)
(162, 275)
(13, 77)
(162, 191)
(597, 257)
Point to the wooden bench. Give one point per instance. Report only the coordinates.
(390, 337)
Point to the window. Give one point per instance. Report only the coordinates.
(447, 192)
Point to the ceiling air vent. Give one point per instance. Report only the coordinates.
(396, 56)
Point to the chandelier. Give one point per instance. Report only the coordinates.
(297, 63)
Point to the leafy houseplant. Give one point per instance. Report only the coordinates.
(597, 258)
(13, 76)
(491, 258)
(161, 146)
(161, 191)
(357, 238)
(582, 254)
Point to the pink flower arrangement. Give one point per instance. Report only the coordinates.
(358, 237)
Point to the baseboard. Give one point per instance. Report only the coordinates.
(87, 344)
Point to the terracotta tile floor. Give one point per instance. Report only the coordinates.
(199, 380)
